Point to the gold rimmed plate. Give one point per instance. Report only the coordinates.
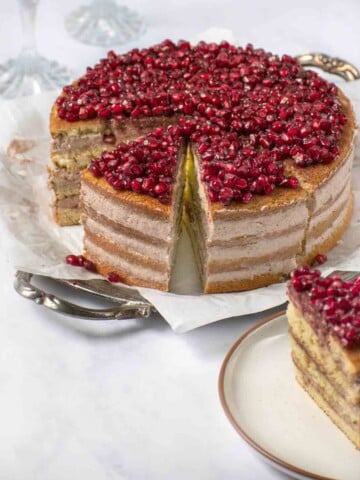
(272, 413)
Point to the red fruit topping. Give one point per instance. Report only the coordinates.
(113, 277)
(320, 259)
(244, 110)
(88, 265)
(335, 303)
(145, 165)
(80, 261)
(73, 260)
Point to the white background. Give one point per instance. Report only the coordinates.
(133, 400)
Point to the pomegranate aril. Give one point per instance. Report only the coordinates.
(90, 266)
(222, 89)
(320, 259)
(113, 277)
(73, 260)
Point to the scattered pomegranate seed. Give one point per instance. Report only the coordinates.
(73, 260)
(80, 261)
(113, 277)
(88, 265)
(320, 259)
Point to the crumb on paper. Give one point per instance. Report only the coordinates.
(30, 206)
(18, 146)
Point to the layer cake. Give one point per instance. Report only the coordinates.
(270, 150)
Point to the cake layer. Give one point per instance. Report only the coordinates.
(320, 222)
(328, 192)
(332, 364)
(71, 201)
(330, 233)
(129, 234)
(62, 178)
(304, 362)
(120, 209)
(151, 252)
(138, 258)
(76, 159)
(65, 143)
(129, 272)
(66, 216)
(64, 183)
(248, 282)
(329, 407)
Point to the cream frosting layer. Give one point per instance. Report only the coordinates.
(66, 143)
(275, 266)
(318, 240)
(325, 194)
(290, 216)
(69, 202)
(122, 264)
(157, 252)
(256, 247)
(333, 207)
(126, 216)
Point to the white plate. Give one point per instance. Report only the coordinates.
(273, 413)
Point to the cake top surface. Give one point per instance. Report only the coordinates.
(332, 303)
(244, 110)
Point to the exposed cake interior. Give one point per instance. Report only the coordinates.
(324, 325)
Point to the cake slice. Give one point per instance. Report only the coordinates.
(324, 325)
(231, 242)
(131, 199)
(75, 145)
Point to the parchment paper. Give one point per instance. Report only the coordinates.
(33, 242)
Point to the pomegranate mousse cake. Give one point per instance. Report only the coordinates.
(252, 152)
(324, 321)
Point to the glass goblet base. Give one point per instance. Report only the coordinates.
(30, 73)
(104, 23)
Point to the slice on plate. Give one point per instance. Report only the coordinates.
(324, 321)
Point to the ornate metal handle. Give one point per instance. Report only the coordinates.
(333, 65)
(127, 309)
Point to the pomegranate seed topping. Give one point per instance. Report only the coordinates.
(244, 110)
(335, 303)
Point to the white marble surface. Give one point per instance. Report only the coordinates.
(132, 400)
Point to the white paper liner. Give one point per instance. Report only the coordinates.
(34, 243)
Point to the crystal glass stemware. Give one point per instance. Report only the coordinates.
(104, 22)
(30, 73)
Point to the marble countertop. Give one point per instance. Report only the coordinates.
(132, 400)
